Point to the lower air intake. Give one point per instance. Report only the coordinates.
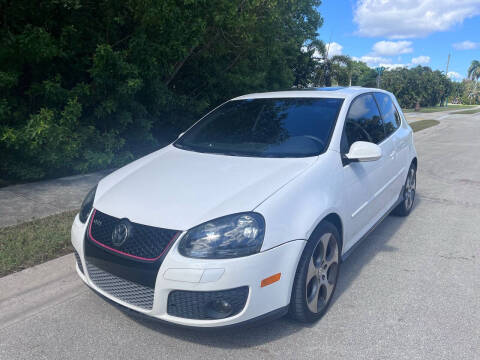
(127, 291)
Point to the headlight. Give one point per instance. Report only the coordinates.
(87, 205)
(226, 237)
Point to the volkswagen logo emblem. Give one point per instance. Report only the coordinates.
(120, 233)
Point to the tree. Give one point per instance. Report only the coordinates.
(419, 84)
(91, 84)
(362, 75)
(327, 68)
(474, 75)
(474, 70)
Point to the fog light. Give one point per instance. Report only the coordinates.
(219, 309)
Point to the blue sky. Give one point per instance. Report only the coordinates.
(404, 32)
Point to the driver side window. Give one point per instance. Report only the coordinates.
(363, 122)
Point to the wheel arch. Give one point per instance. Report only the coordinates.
(334, 219)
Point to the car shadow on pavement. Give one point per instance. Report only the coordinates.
(376, 242)
(251, 336)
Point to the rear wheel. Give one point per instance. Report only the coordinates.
(404, 208)
(317, 274)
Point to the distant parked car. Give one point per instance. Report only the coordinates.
(249, 213)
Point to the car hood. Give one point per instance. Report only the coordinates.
(179, 189)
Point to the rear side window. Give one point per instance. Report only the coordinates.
(363, 122)
(391, 117)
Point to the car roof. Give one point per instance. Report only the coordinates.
(324, 92)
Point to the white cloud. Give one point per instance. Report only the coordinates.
(376, 61)
(333, 49)
(392, 48)
(466, 45)
(411, 18)
(421, 60)
(372, 61)
(393, 66)
(455, 75)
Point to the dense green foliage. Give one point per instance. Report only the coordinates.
(419, 84)
(91, 84)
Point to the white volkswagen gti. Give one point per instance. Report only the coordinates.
(249, 213)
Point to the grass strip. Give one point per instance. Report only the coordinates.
(438, 108)
(423, 124)
(35, 242)
(473, 111)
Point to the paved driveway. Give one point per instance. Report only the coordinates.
(410, 291)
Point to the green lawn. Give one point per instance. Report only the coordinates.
(472, 111)
(439, 108)
(34, 242)
(423, 124)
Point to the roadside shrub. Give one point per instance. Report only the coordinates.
(420, 84)
(88, 85)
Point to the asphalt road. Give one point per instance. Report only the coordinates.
(410, 291)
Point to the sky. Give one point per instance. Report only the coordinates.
(394, 33)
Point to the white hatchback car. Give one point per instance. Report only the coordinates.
(249, 213)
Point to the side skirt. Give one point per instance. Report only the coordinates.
(399, 200)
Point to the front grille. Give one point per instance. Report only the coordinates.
(195, 304)
(143, 242)
(79, 262)
(121, 289)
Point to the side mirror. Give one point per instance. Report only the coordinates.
(363, 151)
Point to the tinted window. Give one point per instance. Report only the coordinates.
(391, 117)
(363, 122)
(293, 127)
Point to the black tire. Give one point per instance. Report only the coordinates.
(409, 192)
(300, 306)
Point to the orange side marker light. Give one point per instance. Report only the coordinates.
(271, 279)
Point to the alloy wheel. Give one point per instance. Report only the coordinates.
(410, 188)
(322, 273)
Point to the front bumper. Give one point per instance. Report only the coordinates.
(201, 275)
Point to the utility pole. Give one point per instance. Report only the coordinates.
(446, 74)
(448, 63)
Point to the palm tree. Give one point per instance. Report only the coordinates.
(474, 70)
(328, 66)
(474, 75)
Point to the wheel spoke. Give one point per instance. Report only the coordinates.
(312, 270)
(331, 277)
(325, 239)
(313, 304)
(331, 254)
(329, 290)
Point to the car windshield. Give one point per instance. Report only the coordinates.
(291, 127)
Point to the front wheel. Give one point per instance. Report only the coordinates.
(317, 274)
(404, 208)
